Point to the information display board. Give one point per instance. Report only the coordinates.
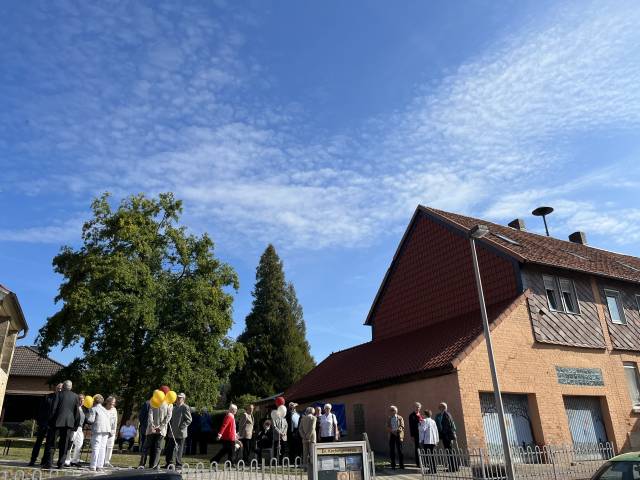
(340, 461)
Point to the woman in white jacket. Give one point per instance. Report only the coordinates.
(102, 425)
(429, 438)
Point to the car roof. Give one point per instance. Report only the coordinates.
(627, 457)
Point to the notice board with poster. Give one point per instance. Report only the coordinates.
(340, 461)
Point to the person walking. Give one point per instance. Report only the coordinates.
(227, 435)
(429, 438)
(73, 457)
(395, 428)
(178, 431)
(110, 407)
(329, 431)
(101, 428)
(157, 424)
(44, 416)
(245, 432)
(447, 432)
(415, 418)
(307, 431)
(64, 421)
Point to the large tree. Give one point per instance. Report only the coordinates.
(148, 303)
(274, 335)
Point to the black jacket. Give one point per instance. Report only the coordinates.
(414, 424)
(65, 410)
(45, 410)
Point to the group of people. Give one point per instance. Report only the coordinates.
(289, 435)
(425, 431)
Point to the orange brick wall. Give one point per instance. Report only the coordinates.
(527, 367)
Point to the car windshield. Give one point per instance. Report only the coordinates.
(619, 471)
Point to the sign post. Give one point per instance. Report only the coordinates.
(340, 461)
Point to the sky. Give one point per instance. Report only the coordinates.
(315, 126)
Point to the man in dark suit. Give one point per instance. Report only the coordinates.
(43, 423)
(65, 419)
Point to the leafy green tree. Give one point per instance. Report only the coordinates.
(148, 303)
(274, 335)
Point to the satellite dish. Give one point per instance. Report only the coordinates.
(543, 212)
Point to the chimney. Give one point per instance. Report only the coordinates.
(578, 237)
(518, 224)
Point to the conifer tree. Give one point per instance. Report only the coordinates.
(274, 335)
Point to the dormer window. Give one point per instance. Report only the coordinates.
(561, 294)
(614, 304)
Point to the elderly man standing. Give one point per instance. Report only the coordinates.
(395, 427)
(44, 416)
(73, 457)
(227, 435)
(157, 423)
(307, 431)
(415, 418)
(447, 431)
(245, 432)
(65, 419)
(180, 421)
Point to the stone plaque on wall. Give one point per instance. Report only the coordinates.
(591, 377)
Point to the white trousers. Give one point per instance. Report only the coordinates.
(110, 443)
(98, 450)
(76, 447)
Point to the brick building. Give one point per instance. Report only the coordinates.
(565, 322)
(12, 322)
(29, 382)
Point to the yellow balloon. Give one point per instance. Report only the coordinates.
(155, 403)
(88, 401)
(159, 395)
(171, 396)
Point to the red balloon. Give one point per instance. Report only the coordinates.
(165, 389)
(279, 401)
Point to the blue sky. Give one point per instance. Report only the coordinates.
(317, 126)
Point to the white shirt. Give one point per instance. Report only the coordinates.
(128, 431)
(428, 432)
(113, 417)
(328, 425)
(295, 418)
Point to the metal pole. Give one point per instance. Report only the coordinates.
(494, 374)
(546, 229)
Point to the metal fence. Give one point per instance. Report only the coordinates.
(550, 462)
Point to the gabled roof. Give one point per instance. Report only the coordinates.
(28, 362)
(430, 351)
(550, 251)
(24, 325)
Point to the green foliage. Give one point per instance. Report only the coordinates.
(26, 428)
(244, 400)
(274, 336)
(147, 302)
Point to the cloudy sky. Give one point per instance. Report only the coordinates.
(317, 126)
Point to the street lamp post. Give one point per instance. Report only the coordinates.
(475, 233)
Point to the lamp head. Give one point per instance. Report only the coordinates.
(478, 231)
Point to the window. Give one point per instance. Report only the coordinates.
(614, 304)
(552, 293)
(358, 418)
(568, 291)
(633, 382)
(561, 294)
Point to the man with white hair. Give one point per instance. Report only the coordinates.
(307, 430)
(395, 428)
(227, 435)
(415, 418)
(65, 419)
(447, 431)
(329, 431)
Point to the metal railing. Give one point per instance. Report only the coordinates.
(550, 462)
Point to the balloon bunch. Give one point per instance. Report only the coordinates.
(280, 410)
(163, 395)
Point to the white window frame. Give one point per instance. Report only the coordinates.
(562, 306)
(608, 292)
(634, 367)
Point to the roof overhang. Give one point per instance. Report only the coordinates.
(10, 309)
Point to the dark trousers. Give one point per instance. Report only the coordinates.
(129, 441)
(416, 446)
(228, 448)
(63, 436)
(430, 459)
(174, 450)
(451, 458)
(395, 444)
(153, 447)
(295, 446)
(203, 440)
(246, 449)
(40, 436)
(142, 436)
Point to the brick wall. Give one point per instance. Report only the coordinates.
(527, 367)
(28, 384)
(432, 280)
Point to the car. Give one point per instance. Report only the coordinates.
(621, 467)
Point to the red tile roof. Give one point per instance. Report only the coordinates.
(425, 352)
(27, 362)
(551, 251)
